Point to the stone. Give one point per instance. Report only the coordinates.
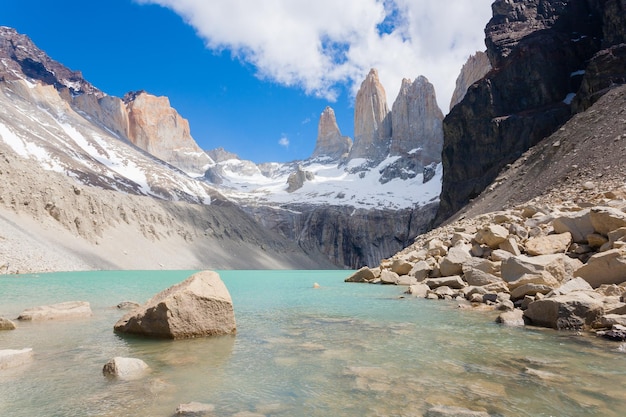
(452, 263)
(416, 121)
(444, 291)
(578, 224)
(548, 245)
(128, 305)
(492, 235)
(617, 333)
(199, 306)
(406, 280)
(477, 277)
(510, 245)
(449, 411)
(66, 310)
(125, 368)
(513, 318)
(372, 121)
(454, 282)
(539, 278)
(572, 311)
(6, 324)
(364, 274)
(330, 142)
(195, 409)
(10, 358)
(401, 267)
(389, 277)
(420, 270)
(418, 290)
(556, 265)
(610, 320)
(484, 265)
(596, 241)
(604, 268)
(529, 289)
(607, 219)
(574, 284)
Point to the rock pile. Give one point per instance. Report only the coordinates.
(561, 266)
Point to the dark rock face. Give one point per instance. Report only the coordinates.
(537, 49)
(22, 56)
(348, 237)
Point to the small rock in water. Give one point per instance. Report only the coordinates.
(6, 324)
(316, 285)
(125, 368)
(194, 409)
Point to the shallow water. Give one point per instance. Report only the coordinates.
(340, 350)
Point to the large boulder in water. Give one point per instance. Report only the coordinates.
(199, 306)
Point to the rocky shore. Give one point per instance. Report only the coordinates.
(554, 264)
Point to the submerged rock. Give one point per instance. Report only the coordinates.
(6, 324)
(125, 368)
(66, 310)
(10, 358)
(199, 306)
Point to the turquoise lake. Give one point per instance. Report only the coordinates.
(339, 350)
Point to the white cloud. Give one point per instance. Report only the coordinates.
(323, 44)
(284, 141)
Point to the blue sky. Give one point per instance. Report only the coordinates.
(253, 76)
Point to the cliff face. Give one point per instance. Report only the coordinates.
(538, 49)
(372, 120)
(416, 121)
(330, 142)
(158, 129)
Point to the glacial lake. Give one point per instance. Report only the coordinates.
(339, 350)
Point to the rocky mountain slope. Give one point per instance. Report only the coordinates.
(352, 210)
(549, 58)
(76, 194)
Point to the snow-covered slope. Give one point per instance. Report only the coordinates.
(328, 183)
(37, 123)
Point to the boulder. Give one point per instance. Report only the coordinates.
(574, 284)
(6, 324)
(513, 318)
(406, 280)
(477, 277)
(125, 368)
(516, 266)
(550, 244)
(454, 282)
(610, 320)
(444, 291)
(364, 274)
(529, 289)
(510, 245)
(418, 290)
(10, 358)
(389, 277)
(604, 268)
(128, 305)
(484, 265)
(492, 235)
(569, 311)
(452, 263)
(401, 266)
(578, 224)
(199, 306)
(542, 278)
(66, 310)
(420, 270)
(607, 219)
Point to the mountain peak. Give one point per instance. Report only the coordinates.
(330, 143)
(21, 59)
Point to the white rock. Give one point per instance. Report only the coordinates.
(10, 358)
(66, 310)
(125, 368)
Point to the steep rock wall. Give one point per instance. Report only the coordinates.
(537, 49)
(330, 142)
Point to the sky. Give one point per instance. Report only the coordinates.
(253, 76)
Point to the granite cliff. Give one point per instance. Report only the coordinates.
(546, 56)
(330, 142)
(476, 67)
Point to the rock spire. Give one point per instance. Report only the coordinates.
(330, 143)
(372, 121)
(416, 121)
